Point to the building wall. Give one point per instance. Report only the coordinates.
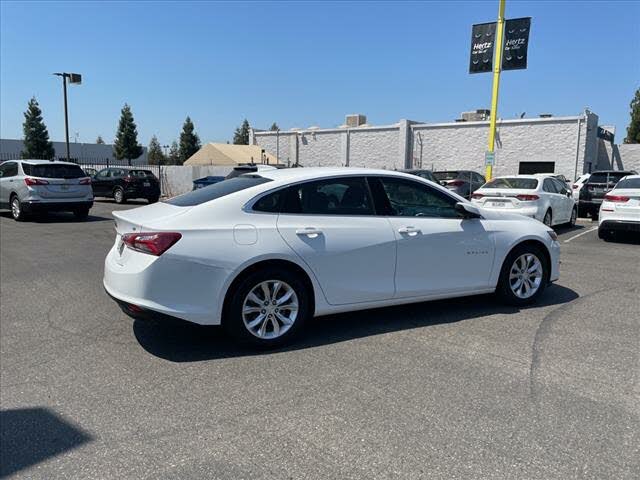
(11, 149)
(375, 148)
(625, 156)
(321, 149)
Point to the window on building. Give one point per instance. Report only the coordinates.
(529, 168)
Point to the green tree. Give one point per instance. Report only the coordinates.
(241, 135)
(36, 136)
(274, 127)
(99, 140)
(154, 152)
(633, 130)
(189, 141)
(126, 143)
(174, 154)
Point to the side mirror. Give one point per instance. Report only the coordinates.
(468, 210)
(568, 192)
(443, 183)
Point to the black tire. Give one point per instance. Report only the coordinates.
(574, 217)
(504, 291)
(153, 199)
(81, 213)
(548, 218)
(118, 195)
(605, 234)
(16, 209)
(233, 321)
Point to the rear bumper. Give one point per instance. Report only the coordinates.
(43, 206)
(141, 192)
(620, 225)
(531, 212)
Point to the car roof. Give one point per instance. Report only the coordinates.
(533, 176)
(295, 174)
(48, 162)
(631, 176)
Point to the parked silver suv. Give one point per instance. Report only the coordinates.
(34, 186)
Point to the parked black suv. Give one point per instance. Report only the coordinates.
(426, 174)
(462, 182)
(599, 184)
(123, 184)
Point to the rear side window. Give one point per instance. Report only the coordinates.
(141, 173)
(217, 190)
(629, 183)
(270, 203)
(440, 176)
(517, 183)
(53, 170)
(335, 196)
(9, 169)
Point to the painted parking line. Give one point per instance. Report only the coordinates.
(580, 234)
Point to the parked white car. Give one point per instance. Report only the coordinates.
(540, 196)
(262, 253)
(620, 209)
(578, 184)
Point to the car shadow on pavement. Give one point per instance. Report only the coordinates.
(32, 435)
(180, 341)
(58, 217)
(128, 202)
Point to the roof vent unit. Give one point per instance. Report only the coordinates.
(476, 115)
(355, 120)
(546, 115)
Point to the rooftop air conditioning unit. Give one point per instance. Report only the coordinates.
(476, 115)
(355, 120)
(546, 115)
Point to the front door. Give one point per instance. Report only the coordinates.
(101, 183)
(439, 251)
(332, 226)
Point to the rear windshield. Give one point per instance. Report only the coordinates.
(53, 170)
(141, 173)
(601, 177)
(445, 175)
(629, 183)
(217, 190)
(236, 172)
(519, 183)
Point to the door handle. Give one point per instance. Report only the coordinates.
(310, 232)
(411, 231)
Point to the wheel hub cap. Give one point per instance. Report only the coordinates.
(270, 309)
(525, 276)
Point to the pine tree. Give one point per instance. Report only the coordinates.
(36, 136)
(174, 154)
(154, 152)
(633, 130)
(241, 135)
(189, 141)
(99, 140)
(274, 127)
(126, 143)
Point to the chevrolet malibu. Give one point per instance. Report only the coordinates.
(262, 253)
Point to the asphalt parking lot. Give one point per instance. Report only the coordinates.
(461, 388)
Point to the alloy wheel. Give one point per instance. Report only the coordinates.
(270, 309)
(525, 276)
(15, 208)
(118, 195)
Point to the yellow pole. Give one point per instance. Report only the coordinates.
(497, 67)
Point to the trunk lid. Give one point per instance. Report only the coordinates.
(149, 217)
(502, 197)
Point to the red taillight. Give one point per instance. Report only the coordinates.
(455, 183)
(153, 243)
(34, 181)
(477, 195)
(616, 198)
(85, 181)
(576, 186)
(527, 198)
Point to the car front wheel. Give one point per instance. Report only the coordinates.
(268, 308)
(524, 275)
(118, 195)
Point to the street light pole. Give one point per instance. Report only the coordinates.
(73, 78)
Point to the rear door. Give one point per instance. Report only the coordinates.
(550, 191)
(565, 200)
(332, 226)
(439, 251)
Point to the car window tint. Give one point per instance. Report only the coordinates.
(336, 196)
(54, 170)
(440, 176)
(9, 169)
(269, 203)
(412, 199)
(560, 186)
(518, 183)
(604, 177)
(548, 186)
(217, 190)
(103, 173)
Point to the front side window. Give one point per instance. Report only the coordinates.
(560, 186)
(411, 199)
(103, 173)
(9, 169)
(336, 196)
(548, 186)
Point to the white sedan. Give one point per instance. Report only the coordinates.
(540, 196)
(262, 253)
(620, 208)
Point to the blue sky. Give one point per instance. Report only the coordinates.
(303, 63)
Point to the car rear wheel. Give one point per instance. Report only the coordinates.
(605, 234)
(81, 213)
(268, 308)
(547, 218)
(118, 195)
(16, 209)
(524, 275)
(153, 199)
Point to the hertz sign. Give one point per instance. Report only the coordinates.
(516, 43)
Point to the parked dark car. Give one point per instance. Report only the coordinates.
(596, 187)
(90, 172)
(462, 182)
(206, 181)
(426, 174)
(123, 184)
